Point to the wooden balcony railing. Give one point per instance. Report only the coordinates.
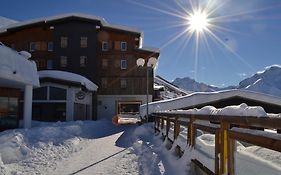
(227, 130)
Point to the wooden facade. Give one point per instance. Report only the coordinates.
(135, 76)
(20, 39)
(74, 28)
(56, 44)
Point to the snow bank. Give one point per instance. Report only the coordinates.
(251, 160)
(67, 76)
(16, 67)
(40, 148)
(207, 97)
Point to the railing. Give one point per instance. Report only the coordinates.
(227, 130)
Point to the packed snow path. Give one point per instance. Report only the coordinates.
(100, 156)
(86, 148)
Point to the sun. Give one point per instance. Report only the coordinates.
(198, 21)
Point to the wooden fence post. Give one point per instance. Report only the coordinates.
(155, 124)
(176, 128)
(190, 134)
(167, 126)
(226, 150)
(162, 123)
(217, 151)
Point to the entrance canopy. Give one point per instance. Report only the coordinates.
(68, 77)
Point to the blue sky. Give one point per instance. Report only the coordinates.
(251, 42)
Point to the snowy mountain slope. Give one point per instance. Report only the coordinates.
(267, 81)
(6, 21)
(190, 84)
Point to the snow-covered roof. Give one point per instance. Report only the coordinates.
(162, 81)
(68, 76)
(6, 21)
(150, 49)
(15, 68)
(68, 15)
(198, 98)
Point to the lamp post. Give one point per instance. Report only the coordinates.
(151, 63)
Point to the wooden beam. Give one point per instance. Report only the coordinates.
(202, 167)
(256, 138)
(207, 128)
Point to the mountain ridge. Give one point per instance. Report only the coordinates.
(267, 81)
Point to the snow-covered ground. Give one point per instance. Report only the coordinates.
(99, 147)
(88, 147)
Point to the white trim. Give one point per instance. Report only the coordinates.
(50, 50)
(121, 65)
(30, 48)
(27, 106)
(121, 48)
(107, 46)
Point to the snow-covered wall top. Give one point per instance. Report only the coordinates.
(67, 76)
(234, 110)
(16, 67)
(205, 97)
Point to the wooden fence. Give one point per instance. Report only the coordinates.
(227, 130)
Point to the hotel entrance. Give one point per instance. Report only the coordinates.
(9, 99)
(128, 107)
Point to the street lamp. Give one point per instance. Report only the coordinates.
(151, 63)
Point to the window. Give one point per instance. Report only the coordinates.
(123, 46)
(40, 93)
(83, 60)
(83, 42)
(104, 63)
(104, 83)
(104, 46)
(63, 61)
(8, 111)
(127, 107)
(50, 46)
(123, 83)
(32, 46)
(123, 64)
(37, 46)
(57, 93)
(63, 42)
(49, 64)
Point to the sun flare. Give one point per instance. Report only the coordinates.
(198, 21)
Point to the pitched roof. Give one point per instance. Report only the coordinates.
(149, 49)
(69, 15)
